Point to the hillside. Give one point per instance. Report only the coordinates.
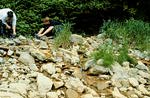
(33, 68)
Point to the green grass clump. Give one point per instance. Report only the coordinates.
(123, 56)
(62, 38)
(104, 53)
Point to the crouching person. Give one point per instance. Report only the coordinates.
(48, 27)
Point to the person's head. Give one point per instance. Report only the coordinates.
(10, 14)
(46, 20)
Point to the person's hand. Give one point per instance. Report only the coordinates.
(40, 35)
(8, 27)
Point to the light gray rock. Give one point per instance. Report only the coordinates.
(9, 95)
(144, 74)
(100, 62)
(133, 82)
(20, 88)
(142, 80)
(33, 67)
(5, 75)
(120, 74)
(78, 73)
(87, 96)
(33, 94)
(26, 59)
(138, 54)
(71, 93)
(75, 83)
(102, 85)
(43, 45)
(134, 96)
(9, 42)
(117, 94)
(77, 39)
(49, 67)
(137, 92)
(133, 72)
(123, 89)
(58, 84)
(12, 60)
(142, 88)
(44, 84)
(142, 66)
(52, 95)
(17, 41)
(38, 54)
(146, 97)
(10, 52)
(126, 64)
(101, 36)
(96, 70)
(89, 64)
(1, 60)
(89, 90)
(75, 59)
(22, 38)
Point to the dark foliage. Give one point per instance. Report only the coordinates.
(87, 15)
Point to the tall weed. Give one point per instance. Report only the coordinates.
(63, 34)
(104, 52)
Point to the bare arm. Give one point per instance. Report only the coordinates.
(41, 30)
(14, 30)
(47, 31)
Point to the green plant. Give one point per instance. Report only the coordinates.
(63, 34)
(123, 56)
(134, 32)
(105, 52)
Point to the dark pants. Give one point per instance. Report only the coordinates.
(4, 31)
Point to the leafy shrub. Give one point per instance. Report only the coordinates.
(63, 36)
(30, 12)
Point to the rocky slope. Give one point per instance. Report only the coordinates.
(32, 68)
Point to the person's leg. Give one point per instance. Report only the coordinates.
(2, 28)
(10, 31)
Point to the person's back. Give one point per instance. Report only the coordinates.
(8, 19)
(3, 15)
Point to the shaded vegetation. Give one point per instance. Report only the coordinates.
(87, 15)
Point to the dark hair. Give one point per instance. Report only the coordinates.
(10, 14)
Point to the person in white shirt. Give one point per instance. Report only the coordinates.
(8, 21)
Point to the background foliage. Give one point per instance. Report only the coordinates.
(87, 15)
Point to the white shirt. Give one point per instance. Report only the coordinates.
(3, 16)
